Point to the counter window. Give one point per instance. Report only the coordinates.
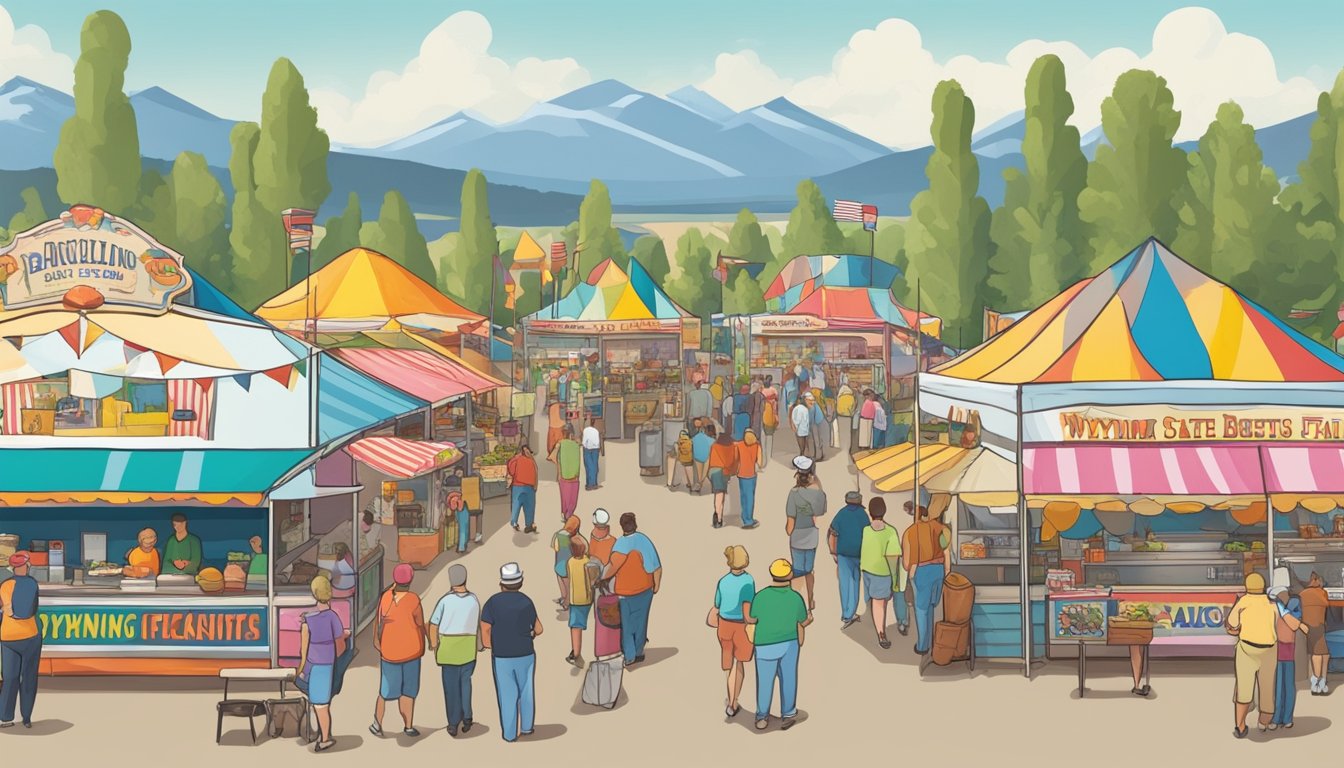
(84, 405)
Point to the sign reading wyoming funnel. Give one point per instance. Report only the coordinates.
(88, 258)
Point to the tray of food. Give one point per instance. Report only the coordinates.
(1081, 621)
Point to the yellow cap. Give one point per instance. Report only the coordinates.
(1255, 584)
(782, 570)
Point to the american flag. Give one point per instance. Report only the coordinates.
(847, 210)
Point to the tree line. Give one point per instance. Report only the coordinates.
(1062, 218)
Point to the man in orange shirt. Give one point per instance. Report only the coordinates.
(522, 469)
(749, 459)
(638, 574)
(601, 542)
(20, 642)
(927, 560)
(400, 637)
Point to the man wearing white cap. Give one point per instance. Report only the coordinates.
(509, 623)
(601, 542)
(806, 502)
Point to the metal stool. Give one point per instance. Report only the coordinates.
(249, 708)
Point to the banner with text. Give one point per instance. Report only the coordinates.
(158, 627)
(1169, 424)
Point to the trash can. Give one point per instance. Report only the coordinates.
(651, 451)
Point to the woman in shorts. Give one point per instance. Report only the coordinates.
(322, 640)
(722, 458)
(732, 604)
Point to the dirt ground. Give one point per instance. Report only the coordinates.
(857, 702)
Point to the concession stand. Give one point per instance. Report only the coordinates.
(132, 391)
(612, 350)
(1167, 437)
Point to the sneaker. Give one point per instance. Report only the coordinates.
(639, 659)
(578, 662)
(788, 723)
(1273, 726)
(466, 724)
(751, 526)
(903, 629)
(376, 730)
(479, 538)
(570, 658)
(762, 723)
(847, 623)
(7, 724)
(515, 527)
(412, 732)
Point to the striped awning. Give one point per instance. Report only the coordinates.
(893, 469)
(1304, 468)
(419, 373)
(91, 475)
(349, 401)
(1181, 470)
(403, 459)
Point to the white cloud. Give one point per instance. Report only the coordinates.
(26, 51)
(881, 83)
(454, 71)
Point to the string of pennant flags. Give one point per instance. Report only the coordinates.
(80, 336)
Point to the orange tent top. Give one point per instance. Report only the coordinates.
(361, 285)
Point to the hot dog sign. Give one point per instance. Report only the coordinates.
(87, 258)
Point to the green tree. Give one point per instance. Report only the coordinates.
(947, 237)
(651, 254)
(811, 229)
(396, 235)
(260, 248)
(747, 241)
(598, 239)
(1137, 176)
(32, 214)
(200, 208)
(291, 155)
(1039, 247)
(694, 287)
(341, 233)
(153, 210)
(1317, 204)
(477, 246)
(531, 298)
(745, 297)
(97, 158)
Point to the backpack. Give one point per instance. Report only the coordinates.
(769, 417)
(685, 452)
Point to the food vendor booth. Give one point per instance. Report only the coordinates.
(1167, 437)
(611, 349)
(146, 421)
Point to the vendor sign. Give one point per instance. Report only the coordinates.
(1166, 424)
(786, 323)
(1183, 618)
(604, 326)
(153, 627)
(87, 258)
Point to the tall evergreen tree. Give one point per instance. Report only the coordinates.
(747, 241)
(478, 244)
(651, 254)
(598, 239)
(291, 155)
(257, 237)
(396, 235)
(153, 210)
(200, 209)
(32, 214)
(744, 297)
(1039, 247)
(341, 233)
(811, 229)
(947, 238)
(97, 158)
(1137, 176)
(694, 287)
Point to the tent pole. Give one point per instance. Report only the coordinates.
(1024, 549)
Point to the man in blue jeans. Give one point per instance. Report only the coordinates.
(509, 624)
(845, 540)
(638, 573)
(522, 473)
(780, 616)
(592, 449)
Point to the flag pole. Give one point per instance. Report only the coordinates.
(495, 265)
(914, 418)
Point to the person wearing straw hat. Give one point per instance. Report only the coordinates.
(732, 605)
(1254, 622)
(780, 618)
(509, 625)
(20, 642)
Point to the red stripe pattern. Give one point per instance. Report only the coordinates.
(15, 397)
(847, 210)
(423, 374)
(187, 395)
(1168, 470)
(400, 458)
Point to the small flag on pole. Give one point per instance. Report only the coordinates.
(505, 279)
(848, 210)
(870, 217)
(725, 263)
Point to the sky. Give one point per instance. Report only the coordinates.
(871, 66)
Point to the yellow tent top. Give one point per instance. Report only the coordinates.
(528, 254)
(359, 285)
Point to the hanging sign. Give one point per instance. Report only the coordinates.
(1168, 424)
(153, 627)
(603, 326)
(87, 258)
(774, 323)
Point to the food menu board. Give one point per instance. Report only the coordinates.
(1189, 618)
(1079, 619)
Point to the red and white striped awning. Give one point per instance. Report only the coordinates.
(1179, 470)
(430, 377)
(403, 459)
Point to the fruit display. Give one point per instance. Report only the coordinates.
(1137, 612)
(500, 455)
(1236, 546)
(1081, 620)
(1149, 546)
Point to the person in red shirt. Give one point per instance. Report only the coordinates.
(522, 470)
(722, 457)
(400, 637)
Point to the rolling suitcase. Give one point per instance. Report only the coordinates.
(607, 627)
(602, 682)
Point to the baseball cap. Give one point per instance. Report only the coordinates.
(803, 464)
(1255, 584)
(19, 558)
(853, 497)
(601, 516)
(510, 573)
(403, 574)
(808, 396)
(781, 570)
(457, 575)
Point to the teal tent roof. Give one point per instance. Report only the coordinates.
(57, 470)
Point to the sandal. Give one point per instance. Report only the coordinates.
(1241, 734)
(1138, 691)
(883, 641)
(323, 746)
(731, 711)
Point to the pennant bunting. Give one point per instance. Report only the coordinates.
(92, 332)
(205, 384)
(244, 380)
(302, 367)
(280, 375)
(166, 362)
(71, 335)
(17, 341)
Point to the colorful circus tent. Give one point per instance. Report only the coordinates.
(1149, 398)
(803, 274)
(613, 294)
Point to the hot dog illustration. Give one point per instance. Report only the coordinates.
(161, 268)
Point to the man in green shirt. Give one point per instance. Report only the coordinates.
(779, 617)
(879, 562)
(455, 638)
(182, 551)
(568, 458)
(256, 568)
